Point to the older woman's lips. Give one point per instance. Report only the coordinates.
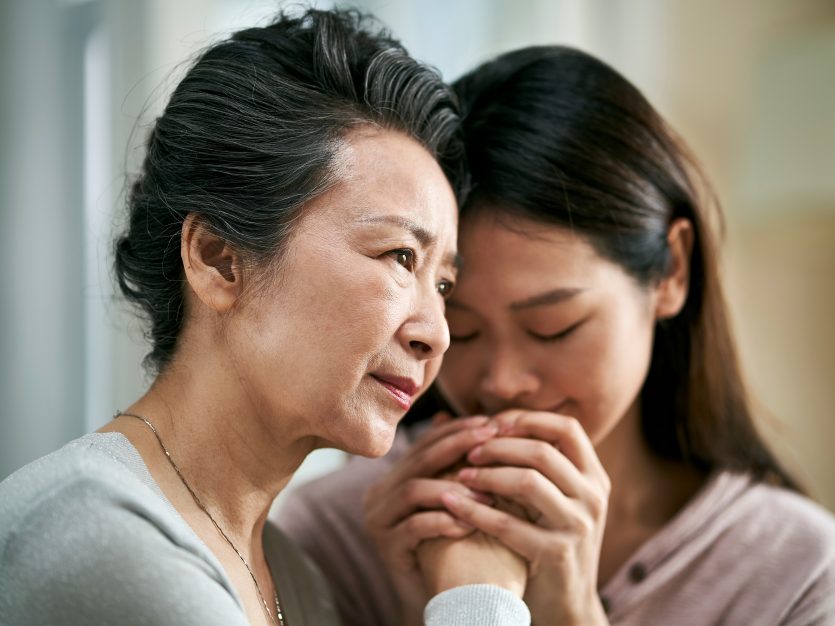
(399, 388)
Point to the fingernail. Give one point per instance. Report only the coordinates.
(450, 498)
(486, 432)
(468, 473)
(475, 454)
(464, 524)
(476, 420)
(506, 428)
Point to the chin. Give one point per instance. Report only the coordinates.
(381, 438)
(379, 447)
(373, 440)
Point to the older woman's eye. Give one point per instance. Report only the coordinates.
(404, 257)
(445, 288)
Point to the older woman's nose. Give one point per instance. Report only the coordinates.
(426, 334)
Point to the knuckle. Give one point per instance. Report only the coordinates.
(556, 551)
(541, 453)
(502, 525)
(574, 427)
(584, 525)
(595, 505)
(598, 503)
(412, 525)
(369, 504)
(410, 491)
(527, 483)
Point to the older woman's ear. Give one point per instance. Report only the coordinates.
(213, 269)
(671, 293)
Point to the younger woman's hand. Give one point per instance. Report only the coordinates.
(405, 507)
(546, 464)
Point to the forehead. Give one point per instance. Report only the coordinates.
(513, 249)
(381, 172)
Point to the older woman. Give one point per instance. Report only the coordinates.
(291, 240)
(589, 325)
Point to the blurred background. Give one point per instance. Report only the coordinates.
(750, 84)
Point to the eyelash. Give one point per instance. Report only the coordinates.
(556, 336)
(463, 338)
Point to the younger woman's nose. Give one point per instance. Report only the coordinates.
(508, 378)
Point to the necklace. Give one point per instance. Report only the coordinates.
(278, 619)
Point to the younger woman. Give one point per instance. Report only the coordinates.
(589, 326)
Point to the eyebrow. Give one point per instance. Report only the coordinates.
(426, 238)
(549, 297)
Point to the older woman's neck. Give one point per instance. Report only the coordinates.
(235, 458)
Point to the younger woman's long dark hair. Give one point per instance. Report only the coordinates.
(556, 136)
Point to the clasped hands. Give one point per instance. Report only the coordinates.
(517, 500)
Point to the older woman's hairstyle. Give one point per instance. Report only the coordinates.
(556, 136)
(252, 133)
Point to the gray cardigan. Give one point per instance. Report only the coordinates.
(87, 537)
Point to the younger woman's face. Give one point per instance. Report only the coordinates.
(540, 321)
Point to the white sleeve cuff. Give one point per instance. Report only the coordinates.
(476, 605)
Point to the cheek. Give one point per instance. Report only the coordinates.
(323, 323)
(459, 374)
(609, 375)
(339, 304)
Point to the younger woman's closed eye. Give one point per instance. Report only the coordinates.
(557, 336)
(462, 337)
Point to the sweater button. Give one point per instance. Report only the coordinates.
(637, 573)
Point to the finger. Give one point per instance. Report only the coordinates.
(416, 494)
(440, 418)
(528, 488)
(536, 454)
(436, 433)
(397, 545)
(566, 433)
(429, 460)
(406, 536)
(520, 536)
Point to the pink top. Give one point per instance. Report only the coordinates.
(739, 553)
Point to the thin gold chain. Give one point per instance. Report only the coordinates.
(278, 619)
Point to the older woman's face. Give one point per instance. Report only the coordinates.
(352, 328)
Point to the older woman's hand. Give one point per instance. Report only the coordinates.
(405, 507)
(476, 558)
(546, 464)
